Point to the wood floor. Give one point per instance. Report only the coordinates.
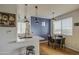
(46, 50)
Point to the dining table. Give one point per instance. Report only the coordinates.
(57, 41)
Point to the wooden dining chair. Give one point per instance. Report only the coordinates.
(50, 41)
(57, 43)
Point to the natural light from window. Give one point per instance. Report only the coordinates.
(64, 26)
(21, 27)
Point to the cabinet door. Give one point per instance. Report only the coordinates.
(8, 34)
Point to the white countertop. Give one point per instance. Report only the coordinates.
(27, 39)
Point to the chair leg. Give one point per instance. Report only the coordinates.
(54, 45)
(63, 46)
(48, 44)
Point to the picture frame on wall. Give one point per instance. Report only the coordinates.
(7, 19)
(76, 24)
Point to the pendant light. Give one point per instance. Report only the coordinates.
(53, 16)
(25, 17)
(36, 19)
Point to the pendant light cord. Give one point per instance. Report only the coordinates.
(36, 7)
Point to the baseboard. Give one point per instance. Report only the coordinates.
(72, 48)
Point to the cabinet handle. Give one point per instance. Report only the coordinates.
(8, 31)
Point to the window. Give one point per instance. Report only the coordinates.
(57, 27)
(21, 27)
(67, 26)
(64, 25)
(43, 24)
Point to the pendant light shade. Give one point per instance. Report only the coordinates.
(36, 7)
(36, 14)
(53, 16)
(36, 20)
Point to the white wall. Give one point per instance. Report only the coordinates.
(7, 34)
(72, 41)
(10, 8)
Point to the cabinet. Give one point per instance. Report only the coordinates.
(7, 34)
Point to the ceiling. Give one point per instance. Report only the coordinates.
(45, 10)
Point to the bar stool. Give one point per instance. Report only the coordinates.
(30, 50)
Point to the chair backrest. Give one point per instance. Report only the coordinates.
(50, 39)
(60, 36)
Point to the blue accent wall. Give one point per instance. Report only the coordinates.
(38, 29)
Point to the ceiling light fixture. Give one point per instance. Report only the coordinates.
(53, 16)
(25, 17)
(36, 18)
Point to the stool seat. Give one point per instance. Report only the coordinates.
(30, 50)
(30, 47)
